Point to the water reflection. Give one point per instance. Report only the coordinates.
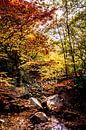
(55, 124)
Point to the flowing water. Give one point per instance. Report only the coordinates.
(52, 124)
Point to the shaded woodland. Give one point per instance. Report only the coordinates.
(42, 60)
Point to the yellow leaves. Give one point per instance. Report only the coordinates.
(4, 83)
(31, 37)
(51, 70)
(3, 55)
(4, 80)
(49, 41)
(26, 30)
(19, 33)
(53, 67)
(54, 57)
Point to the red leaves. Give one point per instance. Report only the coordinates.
(25, 10)
(3, 2)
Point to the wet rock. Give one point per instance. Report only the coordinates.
(35, 103)
(54, 103)
(2, 121)
(38, 117)
(52, 124)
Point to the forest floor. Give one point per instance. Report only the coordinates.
(15, 114)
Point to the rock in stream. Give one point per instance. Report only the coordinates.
(54, 103)
(38, 117)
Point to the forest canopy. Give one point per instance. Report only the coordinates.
(41, 40)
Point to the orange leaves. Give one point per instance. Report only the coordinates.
(15, 1)
(31, 37)
(25, 10)
(20, 19)
(36, 43)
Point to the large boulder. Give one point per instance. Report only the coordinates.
(54, 103)
(38, 117)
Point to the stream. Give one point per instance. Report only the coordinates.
(52, 124)
(15, 113)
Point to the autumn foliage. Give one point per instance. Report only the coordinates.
(19, 42)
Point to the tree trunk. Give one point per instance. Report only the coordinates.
(69, 39)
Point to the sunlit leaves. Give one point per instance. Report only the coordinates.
(31, 37)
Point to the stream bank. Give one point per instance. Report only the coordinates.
(16, 112)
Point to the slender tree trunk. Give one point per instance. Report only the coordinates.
(69, 38)
(18, 71)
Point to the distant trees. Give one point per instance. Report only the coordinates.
(74, 31)
(72, 36)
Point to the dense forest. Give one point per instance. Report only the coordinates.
(42, 64)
